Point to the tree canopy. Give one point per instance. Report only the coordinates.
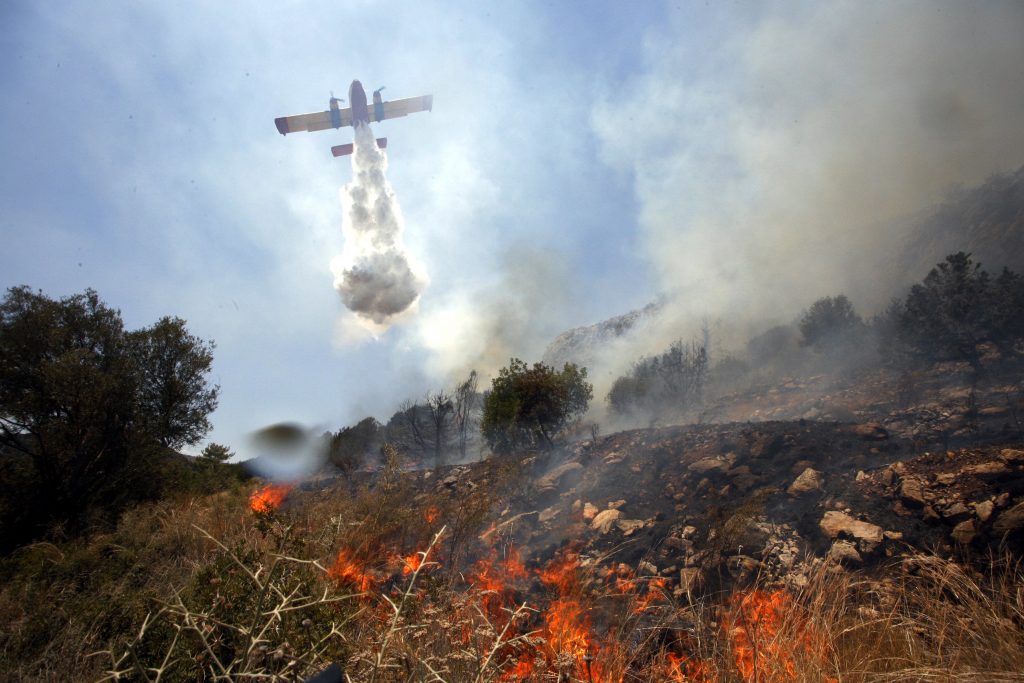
(828, 322)
(87, 405)
(530, 406)
(959, 306)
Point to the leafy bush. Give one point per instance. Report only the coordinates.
(347, 450)
(828, 323)
(530, 407)
(669, 383)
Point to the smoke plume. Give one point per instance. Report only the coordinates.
(783, 161)
(377, 280)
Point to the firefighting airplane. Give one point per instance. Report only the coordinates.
(357, 114)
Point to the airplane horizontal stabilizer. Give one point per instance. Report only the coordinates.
(345, 150)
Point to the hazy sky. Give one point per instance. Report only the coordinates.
(578, 157)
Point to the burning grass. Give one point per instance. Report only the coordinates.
(400, 589)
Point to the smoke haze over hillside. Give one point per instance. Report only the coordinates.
(772, 167)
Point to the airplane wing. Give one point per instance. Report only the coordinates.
(321, 120)
(398, 108)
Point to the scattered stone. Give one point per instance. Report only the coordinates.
(553, 479)
(577, 505)
(1010, 520)
(809, 480)
(871, 431)
(887, 476)
(861, 475)
(844, 552)
(986, 468)
(946, 478)
(1012, 455)
(589, 511)
(893, 535)
(705, 465)
(646, 567)
(628, 526)
(689, 531)
(964, 532)
(957, 509)
(616, 504)
(912, 492)
(984, 510)
(548, 514)
(604, 520)
(835, 523)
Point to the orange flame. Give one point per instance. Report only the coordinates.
(347, 570)
(762, 650)
(269, 498)
(431, 514)
(411, 563)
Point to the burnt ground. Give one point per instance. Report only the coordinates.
(850, 472)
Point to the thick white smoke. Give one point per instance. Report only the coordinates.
(377, 280)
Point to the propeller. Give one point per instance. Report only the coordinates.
(377, 91)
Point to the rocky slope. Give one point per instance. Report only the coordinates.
(822, 472)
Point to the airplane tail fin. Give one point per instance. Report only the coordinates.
(345, 150)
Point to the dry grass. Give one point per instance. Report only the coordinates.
(209, 591)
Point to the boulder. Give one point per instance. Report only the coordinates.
(629, 526)
(809, 480)
(844, 552)
(870, 431)
(1010, 520)
(964, 532)
(604, 520)
(553, 479)
(548, 514)
(705, 465)
(835, 523)
(986, 468)
(1012, 455)
(984, 510)
(912, 492)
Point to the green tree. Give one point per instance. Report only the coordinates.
(347, 450)
(215, 452)
(530, 406)
(671, 382)
(956, 308)
(92, 407)
(829, 322)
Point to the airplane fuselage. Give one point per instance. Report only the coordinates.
(357, 100)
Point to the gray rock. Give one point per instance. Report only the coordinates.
(835, 523)
(554, 478)
(844, 552)
(604, 520)
(1010, 520)
(912, 491)
(984, 510)
(809, 480)
(964, 532)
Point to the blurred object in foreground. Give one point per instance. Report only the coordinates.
(286, 452)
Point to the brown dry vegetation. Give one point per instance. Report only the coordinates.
(208, 590)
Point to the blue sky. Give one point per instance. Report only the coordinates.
(581, 158)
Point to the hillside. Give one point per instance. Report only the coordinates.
(986, 221)
(617, 556)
